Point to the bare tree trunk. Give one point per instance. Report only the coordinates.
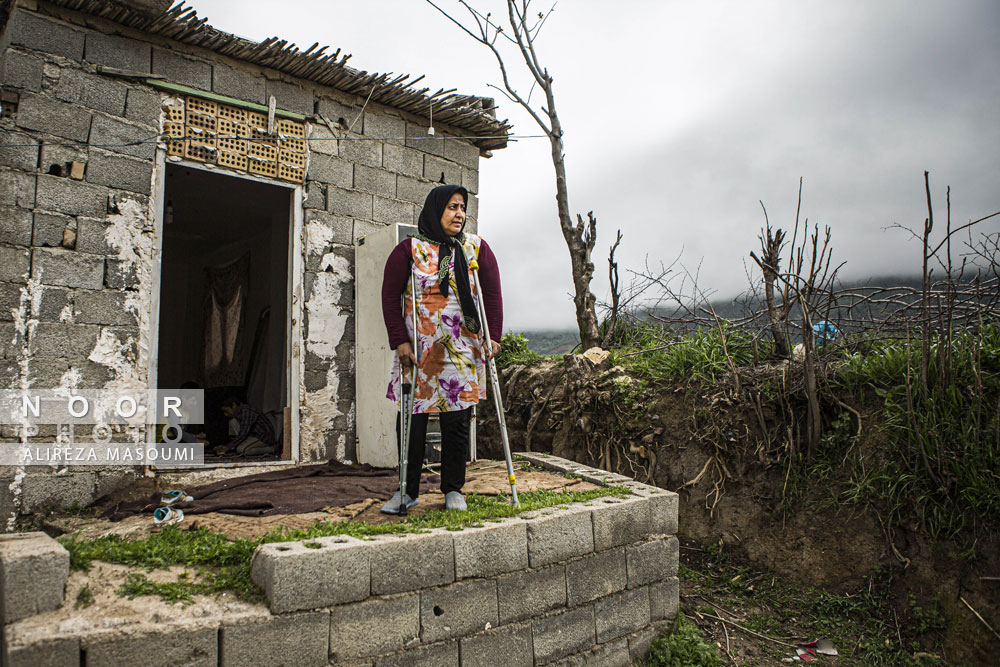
(580, 237)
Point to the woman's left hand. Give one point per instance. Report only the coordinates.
(494, 351)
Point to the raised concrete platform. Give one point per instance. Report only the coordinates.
(589, 583)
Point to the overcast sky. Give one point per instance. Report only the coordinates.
(680, 116)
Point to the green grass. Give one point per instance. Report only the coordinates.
(699, 355)
(685, 646)
(222, 565)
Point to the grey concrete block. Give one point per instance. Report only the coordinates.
(21, 70)
(365, 227)
(353, 148)
(178, 69)
(10, 341)
(276, 641)
(375, 626)
(473, 210)
(112, 135)
(239, 83)
(58, 339)
(49, 229)
(611, 654)
(509, 646)
(71, 197)
(315, 196)
(44, 652)
(457, 610)
(531, 593)
(143, 106)
(14, 264)
(290, 96)
(34, 32)
(334, 110)
(417, 138)
(390, 211)
(120, 172)
(621, 522)
(327, 229)
(50, 372)
(435, 655)
(19, 151)
(462, 152)
(330, 170)
(491, 550)
(664, 598)
(655, 560)
(376, 181)
(17, 188)
(10, 300)
(405, 161)
(470, 180)
(595, 576)
(91, 236)
(562, 634)
(429, 561)
(663, 513)
(619, 614)
(102, 307)
(50, 304)
(119, 274)
(37, 112)
(113, 479)
(295, 576)
(349, 203)
(15, 226)
(640, 641)
(121, 52)
(181, 645)
(33, 572)
(322, 140)
(55, 266)
(436, 169)
(560, 536)
(412, 190)
(384, 127)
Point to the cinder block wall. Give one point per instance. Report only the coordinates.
(590, 583)
(76, 250)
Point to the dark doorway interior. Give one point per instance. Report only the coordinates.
(224, 295)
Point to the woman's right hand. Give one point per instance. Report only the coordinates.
(406, 357)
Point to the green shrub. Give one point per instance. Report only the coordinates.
(514, 350)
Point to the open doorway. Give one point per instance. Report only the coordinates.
(225, 301)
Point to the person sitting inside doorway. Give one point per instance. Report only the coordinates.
(254, 433)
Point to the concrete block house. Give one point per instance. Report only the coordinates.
(180, 204)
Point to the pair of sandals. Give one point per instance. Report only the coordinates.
(165, 515)
(453, 500)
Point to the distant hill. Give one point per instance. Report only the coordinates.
(561, 341)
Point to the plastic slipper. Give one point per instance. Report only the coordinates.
(165, 516)
(175, 496)
(392, 506)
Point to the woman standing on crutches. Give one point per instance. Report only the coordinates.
(451, 373)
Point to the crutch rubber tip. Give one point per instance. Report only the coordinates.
(474, 265)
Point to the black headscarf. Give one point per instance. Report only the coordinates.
(429, 226)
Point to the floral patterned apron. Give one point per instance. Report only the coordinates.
(451, 373)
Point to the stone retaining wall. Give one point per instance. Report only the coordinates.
(589, 583)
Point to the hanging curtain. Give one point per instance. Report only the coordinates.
(225, 310)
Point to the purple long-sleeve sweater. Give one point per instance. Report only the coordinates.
(397, 273)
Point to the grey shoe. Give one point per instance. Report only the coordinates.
(453, 500)
(393, 505)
